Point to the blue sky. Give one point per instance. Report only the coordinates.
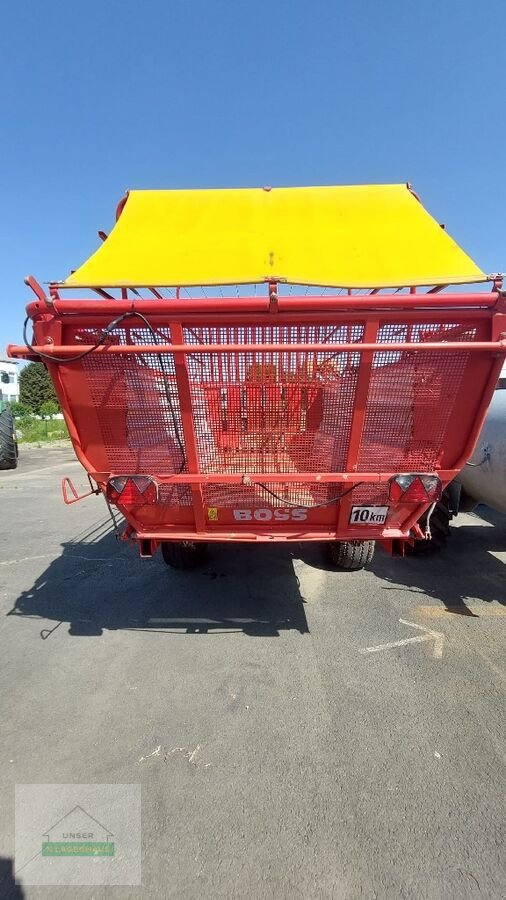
(98, 97)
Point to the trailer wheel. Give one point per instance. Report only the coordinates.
(8, 443)
(439, 529)
(351, 555)
(183, 554)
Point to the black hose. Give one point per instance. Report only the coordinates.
(301, 505)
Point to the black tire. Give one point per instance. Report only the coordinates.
(8, 443)
(439, 529)
(351, 555)
(184, 554)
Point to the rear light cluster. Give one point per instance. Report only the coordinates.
(132, 490)
(415, 488)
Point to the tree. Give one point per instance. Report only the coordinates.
(48, 409)
(36, 387)
(18, 409)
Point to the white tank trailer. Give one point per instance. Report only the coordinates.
(483, 479)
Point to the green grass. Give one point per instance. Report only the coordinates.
(30, 430)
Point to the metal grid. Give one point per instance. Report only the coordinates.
(279, 411)
(411, 398)
(175, 495)
(288, 493)
(136, 402)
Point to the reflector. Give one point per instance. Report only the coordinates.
(132, 490)
(415, 487)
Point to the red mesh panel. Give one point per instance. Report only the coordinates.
(229, 495)
(277, 411)
(175, 495)
(410, 399)
(138, 412)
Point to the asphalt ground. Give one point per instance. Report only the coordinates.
(283, 750)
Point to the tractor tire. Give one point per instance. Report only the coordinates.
(439, 529)
(351, 555)
(183, 554)
(8, 443)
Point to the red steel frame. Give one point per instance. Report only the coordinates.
(50, 316)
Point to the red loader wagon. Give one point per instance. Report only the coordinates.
(294, 364)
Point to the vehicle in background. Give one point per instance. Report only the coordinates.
(481, 481)
(9, 382)
(8, 442)
(483, 478)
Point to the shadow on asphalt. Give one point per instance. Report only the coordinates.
(490, 516)
(9, 890)
(97, 583)
(465, 570)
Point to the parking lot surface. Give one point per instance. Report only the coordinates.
(291, 738)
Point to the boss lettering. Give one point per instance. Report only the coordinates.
(268, 515)
(263, 515)
(242, 515)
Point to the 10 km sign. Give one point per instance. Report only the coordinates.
(368, 515)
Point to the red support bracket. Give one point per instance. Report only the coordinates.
(273, 297)
(38, 290)
(67, 485)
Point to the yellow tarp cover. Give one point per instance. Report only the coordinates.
(353, 236)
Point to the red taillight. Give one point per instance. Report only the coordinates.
(415, 488)
(132, 490)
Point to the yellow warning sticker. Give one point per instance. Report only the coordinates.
(212, 513)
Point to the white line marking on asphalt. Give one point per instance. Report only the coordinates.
(495, 669)
(429, 635)
(13, 562)
(60, 465)
(33, 473)
(193, 621)
(154, 753)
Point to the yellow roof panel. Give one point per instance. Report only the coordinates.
(350, 236)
